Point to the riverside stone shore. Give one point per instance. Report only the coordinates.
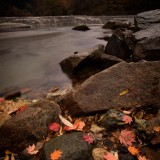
(112, 110)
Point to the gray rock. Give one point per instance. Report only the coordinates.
(148, 44)
(101, 91)
(81, 66)
(147, 19)
(117, 46)
(28, 126)
(72, 145)
(117, 23)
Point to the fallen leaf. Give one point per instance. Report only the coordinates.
(127, 119)
(157, 129)
(54, 127)
(134, 151)
(2, 100)
(142, 158)
(78, 125)
(12, 157)
(124, 92)
(127, 137)
(56, 155)
(88, 138)
(21, 109)
(110, 156)
(31, 149)
(64, 121)
(6, 157)
(96, 129)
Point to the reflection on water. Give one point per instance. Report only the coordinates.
(31, 58)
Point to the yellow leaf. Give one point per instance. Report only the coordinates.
(56, 155)
(134, 151)
(124, 92)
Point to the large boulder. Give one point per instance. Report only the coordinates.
(140, 81)
(28, 127)
(148, 44)
(147, 19)
(81, 66)
(117, 46)
(72, 145)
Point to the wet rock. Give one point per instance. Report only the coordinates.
(81, 66)
(81, 28)
(111, 120)
(12, 95)
(117, 46)
(69, 64)
(98, 153)
(28, 127)
(101, 91)
(72, 145)
(147, 19)
(147, 46)
(127, 157)
(117, 23)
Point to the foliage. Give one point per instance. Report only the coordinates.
(54, 127)
(127, 119)
(88, 138)
(127, 137)
(56, 155)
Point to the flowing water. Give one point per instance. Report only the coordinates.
(31, 58)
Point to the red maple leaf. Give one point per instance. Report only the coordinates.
(127, 137)
(127, 119)
(88, 138)
(21, 109)
(109, 156)
(54, 127)
(2, 100)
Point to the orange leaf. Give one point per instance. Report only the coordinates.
(56, 155)
(134, 151)
(127, 137)
(142, 158)
(78, 125)
(157, 129)
(31, 150)
(127, 119)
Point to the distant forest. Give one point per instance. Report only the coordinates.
(74, 7)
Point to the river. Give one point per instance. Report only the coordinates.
(31, 58)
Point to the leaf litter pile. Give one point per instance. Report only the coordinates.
(114, 133)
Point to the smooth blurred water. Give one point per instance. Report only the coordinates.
(31, 58)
